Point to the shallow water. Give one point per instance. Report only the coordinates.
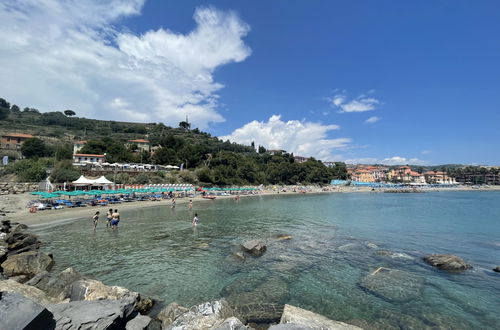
(337, 239)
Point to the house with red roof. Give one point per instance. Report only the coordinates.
(14, 141)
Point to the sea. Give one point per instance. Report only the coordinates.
(352, 257)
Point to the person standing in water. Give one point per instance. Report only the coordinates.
(95, 218)
(109, 217)
(195, 220)
(173, 202)
(190, 205)
(115, 219)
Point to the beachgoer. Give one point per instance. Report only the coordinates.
(190, 205)
(195, 220)
(173, 202)
(95, 218)
(115, 219)
(109, 217)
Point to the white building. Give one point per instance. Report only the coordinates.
(88, 158)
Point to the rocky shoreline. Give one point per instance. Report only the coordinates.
(34, 297)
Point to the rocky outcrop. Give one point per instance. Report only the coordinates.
(98, 314)
(58, 285)
(301, 317)
(497, 269)
(169, 314)
(27, 263)
(140, 322)
(87, 289)
(27, 291)
(446, 262)
(231, 323)
(254, 247)
(393, 285)
(7, 188)
(19, 312)
(203, 316)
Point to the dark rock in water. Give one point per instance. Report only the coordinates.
(446, 262)
(98, 314)
(19, 312)
(497, 269)
(203, 316)
(140, 322)
(254, 247)
(27, 263)
(310, 320)
(56, 285)
(393, 285)
(4, 229)
(6, 223)
(231, 323)
(170, 313)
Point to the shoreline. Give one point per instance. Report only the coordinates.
(16, 210)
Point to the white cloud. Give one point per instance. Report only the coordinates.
(70, 54)
(425, 152)
(300, 137)
(395, 160)
(361, 103)
(372, 120)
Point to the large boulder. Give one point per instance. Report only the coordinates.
(23, 243)
(28, 291)
(254, 247)
(308, 319)
(27, 263)
(140, 322)
(56, 285)
(203, 316)
(88, 289)
(98, 314)
(446, 262)
(393, 285)
(18, 312)
(169, 314)
(231, 323)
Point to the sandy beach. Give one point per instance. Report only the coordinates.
(15, 205)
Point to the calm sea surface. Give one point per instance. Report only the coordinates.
(338, 240)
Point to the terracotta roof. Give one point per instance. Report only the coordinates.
(20, 135)
(88, 155)
(139, 141)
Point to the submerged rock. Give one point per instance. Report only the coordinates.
(446, 262)
(19, 312)
(254, 247)
(392, 284)
(301, 317)
(284, 237)
(395, 255)
(27, 263)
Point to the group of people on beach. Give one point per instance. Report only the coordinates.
(112, 219)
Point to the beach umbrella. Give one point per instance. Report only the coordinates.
(38, 193)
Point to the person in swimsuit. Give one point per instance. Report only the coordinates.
(109, 217)
(115, 219)
(95, 218)
(173, 202)
(190, 205)
(195, 220)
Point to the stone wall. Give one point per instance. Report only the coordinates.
(7, 188)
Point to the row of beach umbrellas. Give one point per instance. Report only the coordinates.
(94, 192)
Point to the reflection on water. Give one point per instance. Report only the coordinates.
(338, 240)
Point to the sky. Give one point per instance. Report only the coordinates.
(391, 82)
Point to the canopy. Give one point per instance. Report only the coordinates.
(83, 181)
(102, 180)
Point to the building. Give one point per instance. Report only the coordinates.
(89, 158)
(275, 152)
(362, 175)
(143, 145)
(14, 141)
(300, 159)
(404, 174)
(329, 164)
(438, 177)
(77, 146)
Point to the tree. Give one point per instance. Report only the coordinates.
(4, 113)
(4, 104)
(34, 147)
(64, 153)
(15, 108)
(185, 125)
(69, 113)
(262, 150)
(64, 172)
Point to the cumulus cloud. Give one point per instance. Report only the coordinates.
(60, 54)
(361, 103)
(372, 120)
(303, 138)
(395, 160)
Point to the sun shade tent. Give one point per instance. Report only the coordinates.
(83, 181)
(102, 181)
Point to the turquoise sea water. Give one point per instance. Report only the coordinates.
(337, 241)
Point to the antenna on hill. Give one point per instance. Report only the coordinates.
(187, 119)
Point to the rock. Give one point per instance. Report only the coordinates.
(27, 291)
(393, 285)
(283, 237)
(290, 326)
(22, 241)
(240, 256)
(497, 269)
(305, 318)
(170, 313)
(98, 314)
(351, 247)
(20, 278)
(6, 223)
(19, 312)
(394, 255)
(140, 322)
(27, 263)
(19, 228)
(231, 323)
(58, 285)
(203, 316)
(88, 289)
(446, 262)
(144, 304)
(254, 247)
(259, 313)
(3, 253)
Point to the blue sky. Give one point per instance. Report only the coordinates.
(360, 81)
